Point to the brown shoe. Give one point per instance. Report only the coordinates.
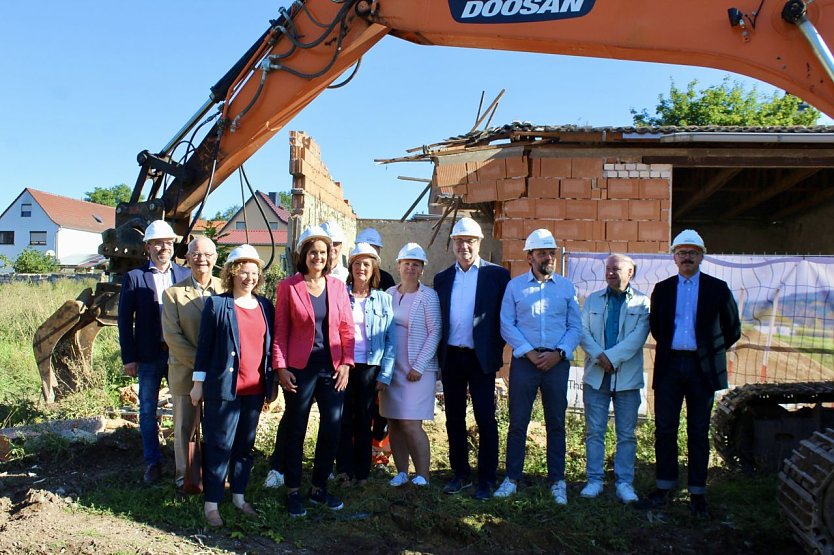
(152, 473)
(213, 519)
(248, 509)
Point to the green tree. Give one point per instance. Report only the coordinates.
(726, 104)
(213, 232)
(31, 261)
(110, 196)
(285, 198)
(225, 215)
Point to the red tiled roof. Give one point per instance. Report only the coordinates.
(256, 237)
(279, 210)
(75, 214)
(202, 224)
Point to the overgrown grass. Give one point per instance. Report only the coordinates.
(25, 307)
(378, 518)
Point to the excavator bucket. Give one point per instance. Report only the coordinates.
(63, 344)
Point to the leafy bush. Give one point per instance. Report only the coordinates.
(31, 261)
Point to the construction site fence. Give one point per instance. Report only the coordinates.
(786, 305)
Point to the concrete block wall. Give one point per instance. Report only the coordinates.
(316, 196)
(590, 204)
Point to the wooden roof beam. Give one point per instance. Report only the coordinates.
(810, 202)
(788, 180)
(713, 184)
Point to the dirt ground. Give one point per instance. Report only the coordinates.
(39, 514)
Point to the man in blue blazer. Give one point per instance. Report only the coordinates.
(694, 320)
(470, 354)
(144, 352)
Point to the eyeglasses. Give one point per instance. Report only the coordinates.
(466, 241)
(202, 254)
(687, 253)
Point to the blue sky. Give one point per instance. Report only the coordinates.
(87, 85)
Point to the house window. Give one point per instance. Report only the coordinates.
(26, 210)
(37, 237)
(6, 237)
(240, 225)
(273, 225)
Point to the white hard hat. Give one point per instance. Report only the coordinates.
(244, 252)
(412, 251)
(363, 249)
(371, 236)
(313, 232)
(540, 239)
(160, 229)
(467, 227)
(689, 237)
(334, 230)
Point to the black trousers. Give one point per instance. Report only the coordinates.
(682, 381)
(462, 371)
(354, 457)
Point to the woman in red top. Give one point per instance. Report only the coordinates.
(312, 353)
(232, 374)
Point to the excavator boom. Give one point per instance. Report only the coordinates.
(313, 42)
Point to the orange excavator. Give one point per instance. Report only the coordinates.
(313, 42)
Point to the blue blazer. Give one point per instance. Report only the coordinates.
(140, 316)
(489, 345)
(219, 344)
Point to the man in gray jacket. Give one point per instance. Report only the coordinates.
(615, 325)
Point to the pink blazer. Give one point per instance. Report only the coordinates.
(295, 324)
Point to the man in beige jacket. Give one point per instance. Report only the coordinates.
(182, 307)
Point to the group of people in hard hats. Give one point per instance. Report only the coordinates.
(352, 340)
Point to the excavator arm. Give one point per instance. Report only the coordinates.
(313, 42)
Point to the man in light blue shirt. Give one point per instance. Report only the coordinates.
(540, 321)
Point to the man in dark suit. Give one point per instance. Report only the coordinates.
(144, 351)
(470, 354)
(694, 320)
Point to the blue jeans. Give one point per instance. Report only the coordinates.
(229, 429)
(626, 404)
(525, 381)
(150, 379)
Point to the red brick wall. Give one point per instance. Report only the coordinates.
(589, 204)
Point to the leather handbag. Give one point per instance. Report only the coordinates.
(193, 482)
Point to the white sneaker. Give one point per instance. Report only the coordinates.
(559, 491)
(274, 479)
(625, 493)
(399, 480)
(419, 481)
(506, 489)
(591, 490)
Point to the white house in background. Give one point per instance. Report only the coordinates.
(68, 227)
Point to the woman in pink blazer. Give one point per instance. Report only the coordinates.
(312, 356)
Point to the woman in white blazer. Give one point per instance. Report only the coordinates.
(409, 399)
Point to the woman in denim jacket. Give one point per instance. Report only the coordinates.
(374, 362)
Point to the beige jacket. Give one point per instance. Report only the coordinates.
(182, 308)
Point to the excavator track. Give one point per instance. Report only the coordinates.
(753, 432)
(806, 494)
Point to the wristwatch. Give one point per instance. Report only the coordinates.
(562, 353)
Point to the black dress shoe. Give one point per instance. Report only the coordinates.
(484, 491)
(658, 498)
(456, 485)
(698, 505)
(153, 473)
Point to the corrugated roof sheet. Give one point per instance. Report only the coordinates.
(73, 213)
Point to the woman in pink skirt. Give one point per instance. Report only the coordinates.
(409, 399)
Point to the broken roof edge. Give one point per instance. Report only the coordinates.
(527, 133)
